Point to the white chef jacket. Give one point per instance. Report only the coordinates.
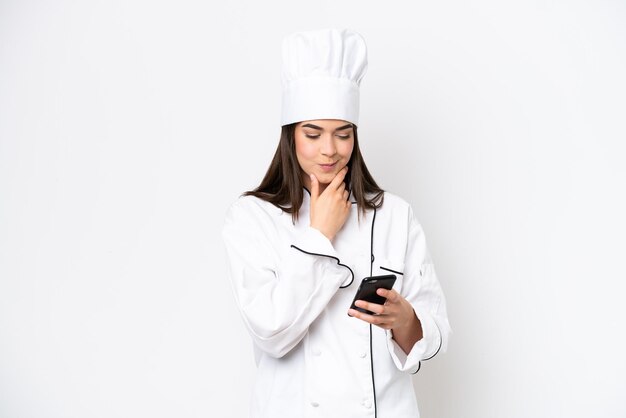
(293, 287)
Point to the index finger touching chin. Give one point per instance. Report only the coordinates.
(337, 181)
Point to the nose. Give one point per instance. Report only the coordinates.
(328, 147)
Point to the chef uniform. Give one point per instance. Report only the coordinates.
(293, 286)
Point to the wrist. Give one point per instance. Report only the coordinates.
(324, 232)
(412, 326)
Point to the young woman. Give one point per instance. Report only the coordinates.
(299, 244)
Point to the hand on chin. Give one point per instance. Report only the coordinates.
(325, 178)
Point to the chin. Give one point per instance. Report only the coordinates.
(325, 178)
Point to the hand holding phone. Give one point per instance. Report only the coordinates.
(367, 290)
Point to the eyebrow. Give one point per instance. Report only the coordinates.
(310, 125)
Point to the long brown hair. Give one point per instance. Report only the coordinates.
(282, 185)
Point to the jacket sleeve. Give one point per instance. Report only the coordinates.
(423, 291)
(280, 287)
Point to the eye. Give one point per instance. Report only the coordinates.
(312, 136)
(344, 136)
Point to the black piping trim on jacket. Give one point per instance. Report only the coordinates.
(372, 367)
(393, 271)
(371, 349)
(436, 352)
(372, 244)
(329, 256)
(440, 342)
(419, 366)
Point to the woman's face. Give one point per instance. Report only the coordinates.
(323, 147)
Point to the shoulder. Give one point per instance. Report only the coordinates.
(394, 203)
(398, 208)
(250, 208)
(393, 200)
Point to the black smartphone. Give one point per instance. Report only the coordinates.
(367, 290)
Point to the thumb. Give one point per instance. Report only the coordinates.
(315, 187)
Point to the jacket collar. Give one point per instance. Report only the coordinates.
(350, 195)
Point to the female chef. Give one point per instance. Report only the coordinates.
(299, 244)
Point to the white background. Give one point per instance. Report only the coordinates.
(128, 127)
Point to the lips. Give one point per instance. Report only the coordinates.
(328, 167)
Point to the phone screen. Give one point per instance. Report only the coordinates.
(367, 290)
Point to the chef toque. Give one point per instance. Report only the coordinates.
(321, 74)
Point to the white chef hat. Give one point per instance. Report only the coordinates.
(321, 73)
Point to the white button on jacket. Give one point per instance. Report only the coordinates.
(293, 288)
